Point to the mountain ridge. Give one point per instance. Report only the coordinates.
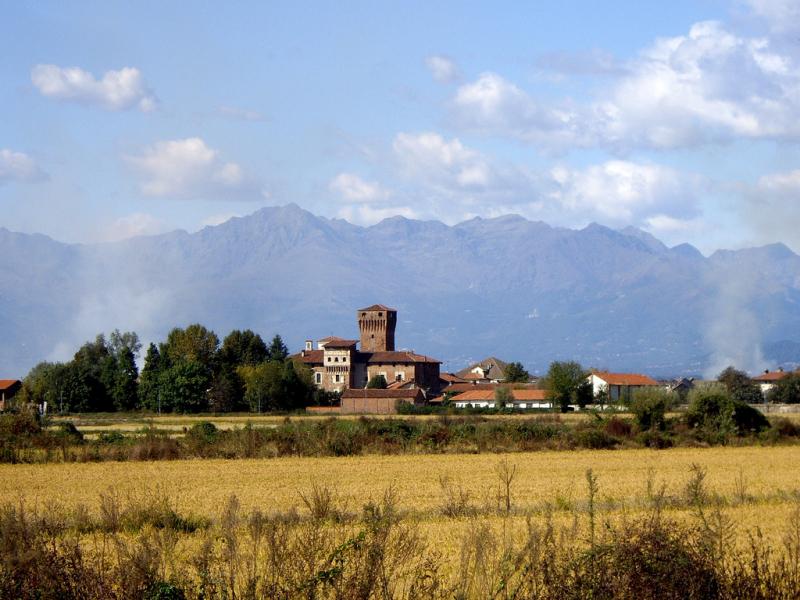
(503, 286)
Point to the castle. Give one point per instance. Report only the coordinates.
(338, 364)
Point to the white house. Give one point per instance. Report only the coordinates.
(619, 386)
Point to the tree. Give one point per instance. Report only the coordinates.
(193, 344)
(277, 349)
(786, 390)
(377, 382)
(243, 348)
(503, 396)
(277, 385)
(183, 387)
(124, 393)
(650, 406)
(740, 386)
(516, 373)
(150, 380)
(714, 411)
(565, 383)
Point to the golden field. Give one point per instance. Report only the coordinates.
(767, 476)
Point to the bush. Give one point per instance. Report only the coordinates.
(714, 413)
(650, 406)
(594, 439)
(618, 427)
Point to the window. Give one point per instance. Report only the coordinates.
(344, 359)
(338, 378)
(329, 359)
(399, 377)
(335, 359)
(318, 377)
(380, 314)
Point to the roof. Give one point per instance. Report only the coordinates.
(340, 343)
(474, 377)
(465, 387)
(9, 383)
(496, 368)
(624, 378)
(771, 376)
(309, 357)
(378, 307)
(395, 356)
(379, 393)
(395, 385)
(450, 378)
(517, 395)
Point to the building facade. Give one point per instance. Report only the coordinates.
(338, 363)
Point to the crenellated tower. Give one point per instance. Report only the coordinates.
(376, 324)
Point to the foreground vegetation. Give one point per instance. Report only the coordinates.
(673, 540)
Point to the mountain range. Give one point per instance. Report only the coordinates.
(507, 286)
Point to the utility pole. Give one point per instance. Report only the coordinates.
(159, 402)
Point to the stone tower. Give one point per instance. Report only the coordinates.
(376, 324)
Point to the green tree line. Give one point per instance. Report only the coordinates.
(190, 371)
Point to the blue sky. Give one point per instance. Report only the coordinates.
(680, 118)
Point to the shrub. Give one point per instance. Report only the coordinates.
(649, 406)
(618, 427)
(717, 415)
(594, 439)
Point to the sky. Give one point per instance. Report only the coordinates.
(680, 118)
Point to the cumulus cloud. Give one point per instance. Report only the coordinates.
(430, 158)
(186, 168)
(495, 106)
(366, 202)
(781, 15)
(708, 86)
(133, 225)
(354, 189)
(219, 219)
(624, 192)
(17, 166)
(116, 90)
(443, 69)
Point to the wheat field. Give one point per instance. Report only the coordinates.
(759, 486)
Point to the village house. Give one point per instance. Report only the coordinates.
(517, 398)
(619, 386)
(489, 370)
(767, 380)
(8, 389)
(339, 364)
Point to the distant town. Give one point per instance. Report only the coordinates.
(191, 372)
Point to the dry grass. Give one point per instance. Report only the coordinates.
(760, 484)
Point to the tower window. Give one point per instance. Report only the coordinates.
(380, 314)
(318, 377)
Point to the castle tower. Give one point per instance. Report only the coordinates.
(376, 324)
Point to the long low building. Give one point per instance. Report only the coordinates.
(520, 399)
(377, 401)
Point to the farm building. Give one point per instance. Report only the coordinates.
(619, 386)
(519, 398)
(767, 380)
(8, 389)
(377, 401)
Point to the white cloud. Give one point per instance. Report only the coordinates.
(133, 225)
(17, 166)
(782, 15)
(117, 90)
(708, 86)
(354, 189)
(495, 106)
(443, 69)
(430, 158)
(623, 192)
(367, 214)
(242, 114)
(186, 168)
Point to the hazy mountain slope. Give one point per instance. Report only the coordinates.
(509, 287)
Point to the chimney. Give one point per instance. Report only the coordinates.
(309, 345)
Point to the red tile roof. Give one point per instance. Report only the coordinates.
(450, 378)
(378, 307)
(398, 357)
(394, 385)
(8, 383)
(518, 395)
(340, 343)
(624, 378)
(378, 393)
(771, 376)
(309, 357)
(466, 387)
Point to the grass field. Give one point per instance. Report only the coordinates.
(755, 488)
(764, 476)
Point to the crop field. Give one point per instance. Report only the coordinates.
(458, 519)
(756, 484)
